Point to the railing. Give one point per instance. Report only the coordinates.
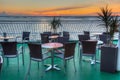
(75, 27)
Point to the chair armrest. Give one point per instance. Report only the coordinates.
(26, 38)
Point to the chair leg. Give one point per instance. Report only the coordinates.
(74, 64)
(28, 72)
(80, 59)
(22, 48)
(38, 64)
(95, 59)
(64, 63)
(43, 71)
(23, 59)
(18, 62)
(7, 61)
(29, 68)
(78, 49)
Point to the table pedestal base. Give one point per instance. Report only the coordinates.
(50, 67)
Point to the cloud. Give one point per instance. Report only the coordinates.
(116, 13)
(62, 9)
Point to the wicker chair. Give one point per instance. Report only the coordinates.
(49, 33)
(62, 39)
(81, 38)
(25, 39)
(88, 49)
(66, 34)
(104, 37)
(10, 51)
(68, 53)
(86, 33)
(36, 54)
(44, 38)
(25, 36)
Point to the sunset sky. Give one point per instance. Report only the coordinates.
(57, 7)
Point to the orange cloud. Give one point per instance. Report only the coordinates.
(71, 10)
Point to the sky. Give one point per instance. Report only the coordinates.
(57, 7)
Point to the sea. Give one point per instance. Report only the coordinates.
(15, 25)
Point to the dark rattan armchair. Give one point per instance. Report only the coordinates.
(10, 51)
(68, 53)
(44, 38)
(66, 34)
(81, 38)
(62, 39)
(36, 54)
(88, 49)
(25, 36)
(105, 38)
(86, 33)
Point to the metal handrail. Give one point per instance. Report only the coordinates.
(74, 27)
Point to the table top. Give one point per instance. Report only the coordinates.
(53, 36)
(52, 45)
(96, 33)
(7, 37)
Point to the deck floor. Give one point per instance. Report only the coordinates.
(85, 71)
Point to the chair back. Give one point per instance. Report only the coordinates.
(55, 34)
(62, 39)
(104, 38)
(4, 34)
(48, 33)
(25, 35)
(89, 47)
(83, 37)
(44, 38)
(105, 33)
(69, 49)
(35, 50)
(86, 33)
(9, 48)
(66, 34)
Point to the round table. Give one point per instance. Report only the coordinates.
(52, 46)
(53, 37)
(6, 38)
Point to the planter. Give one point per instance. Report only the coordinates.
(108, 59)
